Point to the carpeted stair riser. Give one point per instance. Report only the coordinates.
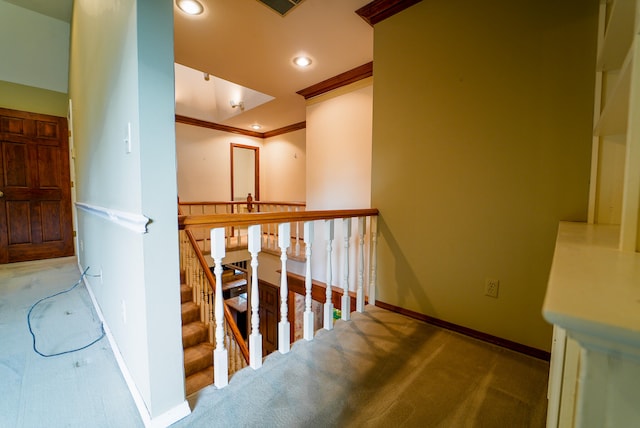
(190, 313)
(186, 294)
(197, 358)
(193, 334)
(199, 380)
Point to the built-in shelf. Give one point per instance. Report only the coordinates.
(614, 117)
(618, 35)
(594, 288)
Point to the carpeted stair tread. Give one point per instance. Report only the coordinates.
(193, 333)
(197, 358)
(190, 313)
(199, 380)
(186, 293)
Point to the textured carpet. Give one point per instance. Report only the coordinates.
(77, 389)
(381, 369)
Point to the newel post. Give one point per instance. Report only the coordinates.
(220, 359)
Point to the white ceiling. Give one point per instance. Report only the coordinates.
(247, 43)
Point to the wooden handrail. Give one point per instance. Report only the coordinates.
(293, 204)
(227, 314)
(223, 220)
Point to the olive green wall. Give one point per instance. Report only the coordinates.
(481, 144)
(35, 100)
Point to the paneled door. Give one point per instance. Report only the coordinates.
(35, 189)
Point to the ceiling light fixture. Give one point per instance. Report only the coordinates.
(302, 61)
(256, 127)
(235, 104)
(191, 7)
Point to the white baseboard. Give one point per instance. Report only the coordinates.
(161, 421)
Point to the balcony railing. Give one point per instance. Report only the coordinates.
(236, 236)
(351, 259)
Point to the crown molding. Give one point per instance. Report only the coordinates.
(218, 127)
(379, 10)
(335, 82)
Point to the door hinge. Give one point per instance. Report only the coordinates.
(74, 234)
(72, 184)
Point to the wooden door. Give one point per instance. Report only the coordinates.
(35, 206)
(269, 316)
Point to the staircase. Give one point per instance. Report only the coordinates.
(198, 351)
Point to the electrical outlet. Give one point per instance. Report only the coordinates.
(491, 287)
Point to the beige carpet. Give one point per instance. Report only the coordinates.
(381, 369)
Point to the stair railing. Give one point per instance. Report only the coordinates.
(198, 276)
(361, 261)
(236, 236)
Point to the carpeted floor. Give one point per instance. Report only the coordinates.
(379, 370)
(77, 389)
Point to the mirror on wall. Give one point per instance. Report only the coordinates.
(245, 172)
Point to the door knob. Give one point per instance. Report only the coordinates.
(1, 194)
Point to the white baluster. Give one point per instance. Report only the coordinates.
(360, 290)
(308, 314)
(297, 234)
(373, 259)
(220, 361)
(346, 299)
(255, 339)
(328, 305)
(284, 335)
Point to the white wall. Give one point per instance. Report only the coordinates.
(34, 54)
(204, 162)
(284, 162)
(339, 128)
(121, 72)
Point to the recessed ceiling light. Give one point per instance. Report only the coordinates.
(302, 61)
(191, 7)
(256, 126)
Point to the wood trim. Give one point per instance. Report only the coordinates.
(223, 220)
(218, 127)
(296, 284)
(285, 130)
(210, 125)
(256, 172)
(504, 343)
(335, 82)
(379, 10)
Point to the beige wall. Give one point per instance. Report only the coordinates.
(339, 148)
(339, 165)
(204, 164)
(284, 162)
(481, 144)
